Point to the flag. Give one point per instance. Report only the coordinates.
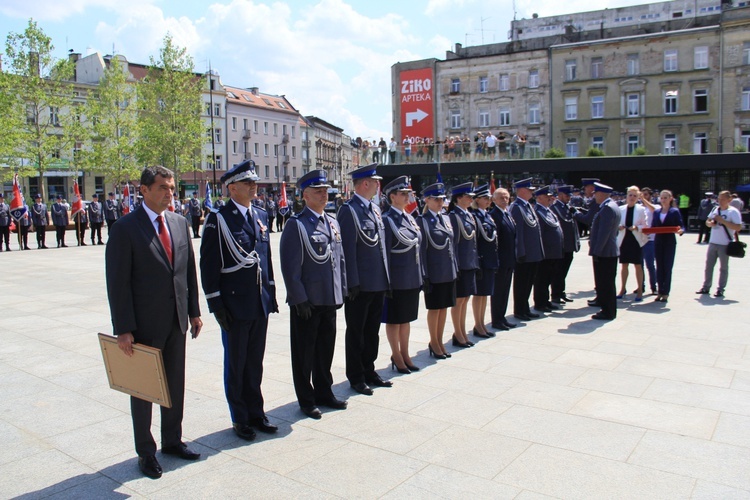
(492, 183)
(412, 205)
(126, 200)
(283, 202)
(18, 206)
(208, 203)
(77, 205)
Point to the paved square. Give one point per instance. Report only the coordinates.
(655, 404)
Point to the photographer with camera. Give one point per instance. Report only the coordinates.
(724, 221)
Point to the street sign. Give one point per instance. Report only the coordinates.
(417, 109)
(190, 187)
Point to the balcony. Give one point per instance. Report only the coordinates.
(285, 159)
(285, 139)
(246, 134)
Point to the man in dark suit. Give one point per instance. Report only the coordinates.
(552, 242)
(604, 251)
(363, 236)
(237, 278)
(153, 297)
(39, 218)
(506, 253)
(195, 211)
(571, 242)
(529, 250)
(313, 266)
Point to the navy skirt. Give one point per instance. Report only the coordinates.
(402, 307)
(441, 295)
(466, 283)
(486, 284)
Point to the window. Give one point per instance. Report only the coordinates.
(504, 116)
(265, 128)
(255, 149)
(217, 135)
(745, 139)
(670, 60)
(597, 67)
(266, 171)
(276, 150)
(597, 106)
(265, 149)
(504, 82)
(571, 108)
(633, 104)
(245, 147)
(484, 118)
(534, 113)
(633, 143)
(208, 108)
(746, 53)
(244, 124)
(670, 144)
(534, 148)
(570, 69)
(294, 151)
(700, 100)
(700, 143)
(54, 116)
(670, 102)
(234, 123)
(217, 109)
(455, 118)
(234, 147)
(700, 58)
(597, 142)
(275, 129)
(745, 101)
(293, 131)
(455, 86)
(534, 78)
(483, 84)
(294, 172)
(218, 162)
(255, 126)
(571, 147)
(276, 172)
(634, 64)
(283, 130)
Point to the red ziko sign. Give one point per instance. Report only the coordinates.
(416, 94)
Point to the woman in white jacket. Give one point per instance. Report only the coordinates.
(630, 240)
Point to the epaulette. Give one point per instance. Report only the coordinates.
(259, 207)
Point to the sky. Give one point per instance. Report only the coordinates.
(330, 58)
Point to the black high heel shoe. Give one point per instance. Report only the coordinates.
(456, 343)
(405, 371)
(413, 368)
(436, 355)
(479, 334)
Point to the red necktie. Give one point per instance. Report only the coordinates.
(164, 237)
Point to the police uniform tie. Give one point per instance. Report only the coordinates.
(164, 238)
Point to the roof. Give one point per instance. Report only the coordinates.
(253, 98)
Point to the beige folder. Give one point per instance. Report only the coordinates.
(141, 375)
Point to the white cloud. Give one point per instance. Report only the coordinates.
(49, 10)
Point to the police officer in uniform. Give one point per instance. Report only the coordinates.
(314, 270)
(111, 210)
(96, 219)
(272, 210)
(24, 224)
(529, 249)
(363, 235)
(220, 202)
(81, 222)
(571, 242)
(552, 242)
(195, 211)
(604, 251)
(4, 223)
(177, 204)
(60, 220)
(488, 259)
(40, 218)
(506, 256)
(585, 216)
(237, 278)
(467, 259)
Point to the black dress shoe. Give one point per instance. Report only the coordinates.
(553, 306)
(361, 388)
(181, 450)
(522, 317)
(502, 327)
(311, 411)
(333, 403)
(602, 317)
(263, 425)
(413, 368)
(150, 466)
(244, 431)
(490, 333)
(558, 301)
(533, 315)
(545, 309)
(509, 324)
(479, 334)
(593, 303)
(566, 299)
(379, 382)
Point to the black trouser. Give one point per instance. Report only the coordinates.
(96, 231)
(392, 155)
(546, 272)
(558, 280)
(60, 235)
(244, 348)
(25, 236)
(173, 354)
(5, 236)
(109, 224)
(41, 233)
(270, 222)
(279, 222)
(605, 273)
(195, 220)
(363, 316)
(522, 284)
(703, 230)
(500, 295)
(80, 233)
(312, 342)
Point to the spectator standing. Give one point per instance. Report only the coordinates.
(392, 149)
(737, 202)
(40, 219)
(724, 221)
(4, 224)
(665, 245)
(705, 207)
(383, 146)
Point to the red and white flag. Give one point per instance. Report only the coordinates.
(412, 205)
(492, 183)
(283, 201)
(126, 200)
(77, 205)
(18, 206)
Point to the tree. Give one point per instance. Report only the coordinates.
(112, 117)
(39, 91)
(554, 153)
(171, 130)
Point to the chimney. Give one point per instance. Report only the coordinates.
(254, 90)
(74, 56)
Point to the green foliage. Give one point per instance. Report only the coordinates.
(171, 132)
(554, 153)
(739, 148)
(592, 151)
(38, 95)
(112, 120)
(639, 151)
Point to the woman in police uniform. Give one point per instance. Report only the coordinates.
(438, 266)
(488, 259)
(402, 240)
(467, 259)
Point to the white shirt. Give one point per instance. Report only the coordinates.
(152, 217)
(363, 200)
(718, 235)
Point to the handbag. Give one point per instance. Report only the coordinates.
(735, 248)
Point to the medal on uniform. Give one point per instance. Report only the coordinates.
(262, 227)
